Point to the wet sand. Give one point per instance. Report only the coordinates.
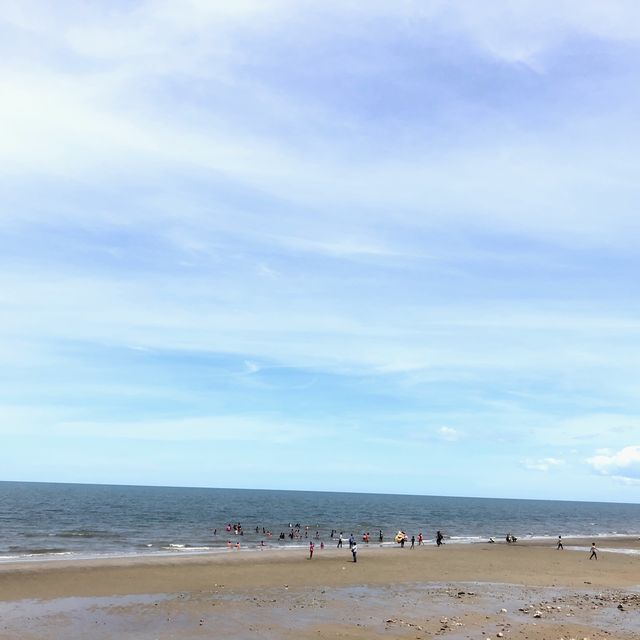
(524, 590)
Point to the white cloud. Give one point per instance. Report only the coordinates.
(448, 434)
(544, 464)
(623, 464)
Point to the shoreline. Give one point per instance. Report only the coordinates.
(523, 562)
(618, 541)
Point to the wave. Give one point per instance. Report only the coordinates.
(184, 547)
(38, 551)
(86, 533)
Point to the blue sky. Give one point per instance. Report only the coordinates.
(382, 246)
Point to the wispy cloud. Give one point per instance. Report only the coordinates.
(543, 464)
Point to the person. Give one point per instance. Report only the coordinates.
(352, 540)
(354, 552)
(413, 542)
(559, 543)
(439, 538)
(311, 548)
(340, 542)
(420, 540)
(380, 536)
(594, 551)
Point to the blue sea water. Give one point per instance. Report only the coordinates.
(41, 520)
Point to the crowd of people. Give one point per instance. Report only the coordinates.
(297, 532)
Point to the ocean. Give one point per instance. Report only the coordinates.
(45, 521)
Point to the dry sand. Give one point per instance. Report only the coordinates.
(525, 590)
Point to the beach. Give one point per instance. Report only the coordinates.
(523, 590)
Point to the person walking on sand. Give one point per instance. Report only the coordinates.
(559, 543)
(311, 548)
(413, 542)
(594, 551)
(354, 551)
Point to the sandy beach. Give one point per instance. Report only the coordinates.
(524, 590)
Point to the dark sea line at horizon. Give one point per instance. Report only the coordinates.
(321, 491)
(49, 520)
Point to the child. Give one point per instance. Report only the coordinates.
(594, 551)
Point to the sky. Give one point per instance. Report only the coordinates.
(383, 246)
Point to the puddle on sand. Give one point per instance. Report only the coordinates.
(468, 609)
